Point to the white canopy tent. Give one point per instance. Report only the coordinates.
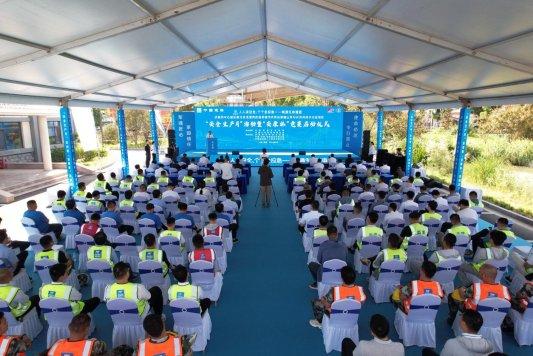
(390, 54)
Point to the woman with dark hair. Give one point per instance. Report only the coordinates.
(265, 182)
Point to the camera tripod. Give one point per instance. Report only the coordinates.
(273, 193)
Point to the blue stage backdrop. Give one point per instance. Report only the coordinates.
(183, 123)
(271, 127)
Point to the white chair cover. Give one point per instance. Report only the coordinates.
(471, 224)
(171, 205)
(381, 210)
(70, 229)
(29, 226)
(444, 211)
(129, 217)
(226, 234)
(343, 211)
(501, 266)
(110, 228)
(418, 327)
(395, 198)
(22, 280)
(128, 250)
(196, 213)
(416, 247)
(312, 256)
(371, 246)
(493, 310)
(433, 226)
(341, 324)
(462, 243)
(58, 211)
(202, 275)
(394, 226)
(151, 273)
(446, 272)
(202, 203)
(81, 204)
(83, 242)
(355, 191)
(352, 229)
(331, 276)
(185, 227)
(389, 278)
(127, 323)
(172, 248)
(101, 276)
(408, 210)
(523, 325)
(424, 200)
(147, 226)
(30, 324)
(216, 243)
(331, 204)
(307, 237)
(34, 242)
(91, 209)
(188, 321)
(140, 203)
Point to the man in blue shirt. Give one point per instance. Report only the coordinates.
(219, 209)
(112, 213)
(152, 216)
(182, 214)
(41, 221)
(7, 252)
(72, 212)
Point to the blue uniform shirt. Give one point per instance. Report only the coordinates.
(184, 216)
(154, 217)
(41, 221)
(113, 215)
(76, 214)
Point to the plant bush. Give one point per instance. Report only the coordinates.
(58, 154)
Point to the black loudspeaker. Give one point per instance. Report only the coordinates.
(235, 153)
(382, 157)
(171, 137)
(301, 153)
(366, 145)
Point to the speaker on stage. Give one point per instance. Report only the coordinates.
(171, 137)
(235, 153)
(366, 145)
(172, 151)
(382, 157)
(301, 153)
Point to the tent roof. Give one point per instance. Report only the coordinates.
(372, 53)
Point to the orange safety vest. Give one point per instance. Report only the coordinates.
(347, 292)
(171, 347)
(483, 291)
(72, 348)
(204, 254)
(216, 232)
(420, 287)
(5, 342)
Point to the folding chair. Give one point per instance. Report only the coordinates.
(418, 326)
(127, 323)
(188, 321)
(101, 276)
(341, 324)
(70, 229)
(331, 276)
(389, 278)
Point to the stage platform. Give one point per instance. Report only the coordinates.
(277, 158)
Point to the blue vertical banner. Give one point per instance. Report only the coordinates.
(409, 141)
(153, 131)
(184, 126)
(123, 140)
(379, 131)
(69, 148)
(460, 147)
(352, 134)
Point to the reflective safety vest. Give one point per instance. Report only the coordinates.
(300, 180)
(349, 292)
(320, 233)
(61, 291)
(126, 185)
(490, 256)
(171, 347)
(153, 254)
(204, 254)
(94, 202)
(372, 179)
(8, 294)
(126, 203)
(418, 181)
(319, 181)
(396, 254)
(138, 178)
(482, 291)
(509, 234)
(126, 291)
(459, 230)
(216, 231)
(64, 347)
(473, 204)
(419, 287)
(442, 259)
(371, 230)
(162, 180)
(396, 181)
(60, 202)
(80, 194)
(113, 182)
(47, 255)
(431, 216)
(5, 342)
(100, 253)
(188, 179)
(153, 186)
(100, 185)
(209, 180)
(180, 291)
(418, 229)
(172, 233)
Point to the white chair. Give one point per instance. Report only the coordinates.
(203, 275)
(127, 323)
(471, 224)
(342, 212)
(216, 243)
(446, 272)
(381, 210)
(433, 226)
(196, 214)
(331, 276)
(341, 324)
(493, 311)
(389, 278)
(22, 280)
(83, 242)
(58, 211)
(147, 226)
(418, 326)
(352, 229)
(101, 276)
(408, 210)
(172, 248)
(160, 212)
(416, 246)
(70, 229)
(129, 217)
(151, 273)
(307, 237)
(171, 205)
(202, 203)
(90, 210)
(317, 241)
(366, 202)
(185, 227)
(44, 265)
(29, 325)
(355, 191)
(226, 234)
(30, 227)
(81, 204)
(523, 325)
(182, 194)
(140, 203)
(394, 226)
(110, 228)
(331, 204)
(501, 266)
(188, 320)
(424, 200)
(128, 250)
(395, 198)
(370, 247)
(462, 243)
(444, 211)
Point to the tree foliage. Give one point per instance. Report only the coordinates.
(516, 121)
(137, 126)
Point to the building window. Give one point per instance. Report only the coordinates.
(54, 132)
(10, 136)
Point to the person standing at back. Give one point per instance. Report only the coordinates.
(265, 182)
(147, 153)
(226, 168)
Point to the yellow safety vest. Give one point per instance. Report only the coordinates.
(430, 216)
(479, 204)
(188, 179)
(61, 291)
(47, 255)
(94, 202)
(100, 185)
(153, 186)
(319, 233)
(113, 182)
(181, 291)
(209, 180)
(396, 181)
(138, 178)
(440, 258)
(398, 254)
(60, 202)
(100, 253)
(126, 203)
(319, 181)
(126, 185)
(126, 291)
(459, 230)
(152, 254)
(299, 179)
(80, 194)
(172, 233)
(371, 179)
(478, 265)
(162, 180)
(509, 234)
(418, 229)
(371, 230)
(417, 181)
(8, 294)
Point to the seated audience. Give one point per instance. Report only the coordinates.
(9, 249)
(73, 212)
(41, 221)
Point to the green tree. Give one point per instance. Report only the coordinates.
(516, 121)
(137, 126)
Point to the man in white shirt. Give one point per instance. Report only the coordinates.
(381, 345)
(469, 342)
(340, 167)
(157, 172)
(313, 160)
(264, 154)
(166, 160)
(367, 195)
(409, 204)
(217, 164)
(332, 161)
(313, 214)
(170, 192)
(192, 166)
(435, 193)
(226, 169)
(142, 194)
(465, 211)
(393, 214)
(230, 204)
(204, 161)
(318, 166)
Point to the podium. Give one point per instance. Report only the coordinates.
(212, 146)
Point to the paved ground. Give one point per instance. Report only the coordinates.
(12, 177)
